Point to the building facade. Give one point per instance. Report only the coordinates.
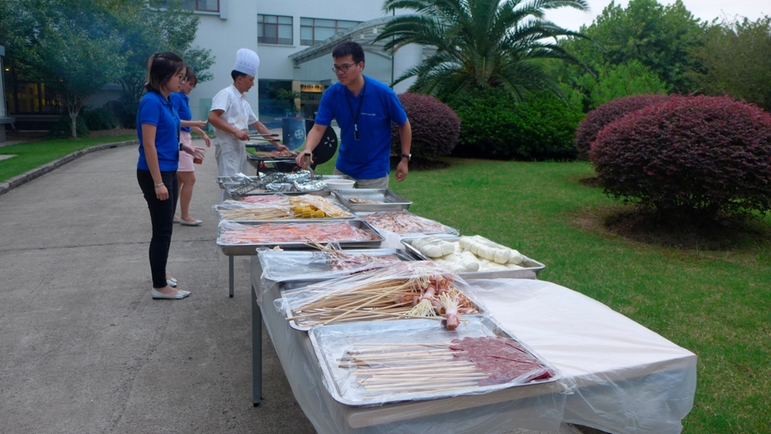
(294, 39)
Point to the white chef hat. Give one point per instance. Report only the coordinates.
(247, 62)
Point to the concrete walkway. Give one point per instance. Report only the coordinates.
(83, 346)
(85, 349)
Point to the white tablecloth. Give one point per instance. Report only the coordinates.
(618, 376)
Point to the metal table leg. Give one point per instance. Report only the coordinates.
(256, 350)
(231, 273)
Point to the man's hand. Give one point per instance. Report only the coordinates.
(242, 135)
(401, 170)
(281, 147)
(300, 160)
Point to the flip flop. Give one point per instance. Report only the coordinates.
(192, 223)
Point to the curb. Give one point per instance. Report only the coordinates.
(37, 172)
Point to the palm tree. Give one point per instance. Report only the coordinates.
(479, 43)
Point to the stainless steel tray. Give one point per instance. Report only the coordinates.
(386, 200)
(324, 192)
(251, 249)
(331, 344)
(530, 267)
(295, 291)
(311, 266)
(429, 227)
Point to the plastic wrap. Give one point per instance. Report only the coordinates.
(378, 362)
(286, 266)
(497, 412)
(402, 290)
(471, 265)
(403, 222)
(239, 211)
(627, 378)
(281, 207)
(332, 208)
(244, 238)
(618, 376)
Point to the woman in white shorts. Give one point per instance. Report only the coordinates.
(186, 170)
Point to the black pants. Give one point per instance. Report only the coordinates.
(162, 217)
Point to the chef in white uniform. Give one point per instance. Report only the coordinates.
(231, 116)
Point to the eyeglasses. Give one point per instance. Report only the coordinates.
(342, 68)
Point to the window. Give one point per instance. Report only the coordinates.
(195, 5)
(274, 29)
(313, 30)
(32, 98)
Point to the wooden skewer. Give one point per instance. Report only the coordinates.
(397, 344)
(402, 391)
(453, 376)
(399, 350)
(404, 387)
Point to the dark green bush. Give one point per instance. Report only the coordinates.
(494, 125)
(596, 119)
(124, 111)
(98, 119)
(435, 127)
(63, 128)
(691, 156)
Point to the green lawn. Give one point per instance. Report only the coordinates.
(714, 303)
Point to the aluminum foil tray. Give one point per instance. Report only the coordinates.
(530, 267)
(352, 386)
(383, 200)
(292, 293)
(251, 249)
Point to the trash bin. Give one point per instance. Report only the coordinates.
(293, 132)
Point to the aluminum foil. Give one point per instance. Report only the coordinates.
(308, 185)
(281, 187)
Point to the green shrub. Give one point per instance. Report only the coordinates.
(98, 119)
(688, 156)
(596, 119)
(63, 128)
(435, 127)
(494, 125)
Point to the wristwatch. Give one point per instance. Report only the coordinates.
(409, 156)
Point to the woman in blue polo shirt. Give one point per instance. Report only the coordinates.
(158, 129)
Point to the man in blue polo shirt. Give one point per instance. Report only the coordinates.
(364, 109)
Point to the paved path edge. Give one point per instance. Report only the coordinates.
(37, 172)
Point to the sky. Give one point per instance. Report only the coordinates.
(706, 10)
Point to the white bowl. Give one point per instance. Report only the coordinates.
(339, 184)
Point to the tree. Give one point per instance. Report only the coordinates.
(618, 81)
(736, 59)
(646, 42)
(71, 45)
(478, 43)
(149, 30)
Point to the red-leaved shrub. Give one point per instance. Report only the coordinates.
(697, 156)
(596, 119)
(435, 126)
